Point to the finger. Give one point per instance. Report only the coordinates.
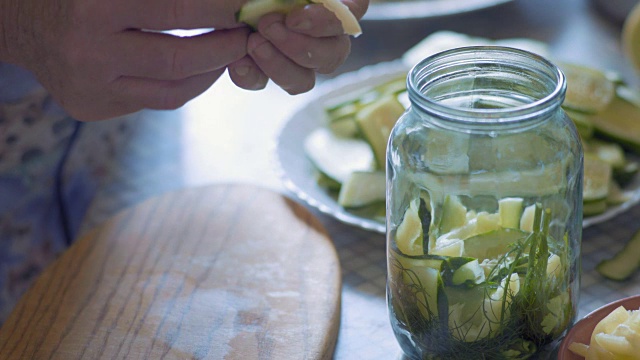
(246, 74)
(316, 20)
(163, 94)
(166, 57)
(176, 14)
(323, 54)
(290, 76)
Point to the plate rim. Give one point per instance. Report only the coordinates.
(422, 9)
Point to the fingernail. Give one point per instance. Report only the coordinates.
(264, 51)
(302, 25)
(242, 70)
(276, 31)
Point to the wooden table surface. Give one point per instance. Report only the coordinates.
(233, 271)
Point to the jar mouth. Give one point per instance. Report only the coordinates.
(486, 85)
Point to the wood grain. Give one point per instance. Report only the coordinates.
(220, 272)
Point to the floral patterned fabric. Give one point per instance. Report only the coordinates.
(51, 167)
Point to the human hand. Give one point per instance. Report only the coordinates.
(97, 63)
(290, 49)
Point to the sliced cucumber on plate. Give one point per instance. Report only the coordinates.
(338, 157)
(605, 110)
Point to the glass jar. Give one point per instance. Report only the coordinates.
(484, 208)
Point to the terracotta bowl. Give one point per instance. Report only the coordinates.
(581, 331)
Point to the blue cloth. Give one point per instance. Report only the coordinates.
(46, 183)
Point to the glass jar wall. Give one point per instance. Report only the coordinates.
(484, 208)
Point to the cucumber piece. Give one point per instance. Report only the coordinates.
(628, 93)
(610, 152)
(454, 214)
(342, 115)
(526, 221)
(475, 224)
(376, 211)
(624, 175)
(470, 272)
(406, 262)
(592, 208)
(430, 281)
(325, 181)
(349, 22)
(393, 86)
(597, 176)
(253, 10)
(492, 244)
(616, 196)
(554, 266)
(344, 127)
(375, 122)
(624, 263)
(510, 210)
(582, 123)
(451, 249)
(422, 276)
(343, 110)
(620, 122)
(409, 234)
(363, 188)
(589, 90)
(337, 157)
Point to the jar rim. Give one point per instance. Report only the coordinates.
(498, 54)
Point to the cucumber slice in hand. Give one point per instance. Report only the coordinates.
(349, 22)
(253, 10)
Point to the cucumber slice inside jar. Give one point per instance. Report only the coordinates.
(454, 214)
(492, 244)
(510, 210)
(409, 235)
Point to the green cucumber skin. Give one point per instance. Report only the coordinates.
(621, 267)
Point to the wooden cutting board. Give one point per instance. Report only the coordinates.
(221, 272)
